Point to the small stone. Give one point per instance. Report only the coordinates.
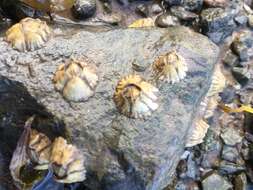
(230, 154)
(242, 45)
(241, 20)
(193, 5)
(186, 184)
(173, 2)
(84, 9)
(216, 3)
(228, 95)
(215, 182)
(211, 160)
(183, 14)
(227, 168)
(166, 20)
(250, 20)
(242, 75)
(142, 10)
(240, 182)
(231, 136)
(156, 8)
(230, 59)
(217, 23)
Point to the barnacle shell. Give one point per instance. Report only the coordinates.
(208, 106)
(218, 82)
(28, 34)
(198, 133)
(67, 162)
(39, 149)
(135, 97)
(171, 67)
(76, 80)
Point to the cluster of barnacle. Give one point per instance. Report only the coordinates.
(64, 160)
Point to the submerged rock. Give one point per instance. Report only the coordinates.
(120, 153)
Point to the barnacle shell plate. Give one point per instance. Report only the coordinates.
(76, 80)
(135, 97)
(28, 34)
(39, 149)
(67, 163)
(171, 67)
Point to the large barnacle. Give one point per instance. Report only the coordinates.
(39, 149)
(135, 97)
(171, 67)
(28, 34)
(218, 82)
(67, 162)
(76, 80)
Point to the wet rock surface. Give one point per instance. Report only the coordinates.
(121, 153)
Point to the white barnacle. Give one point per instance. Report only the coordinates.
(67, 162)
(76, 80)
(198, 133)
(170, 67)
(218, 82)
(39, 149)
(135, 97)
(28, 34)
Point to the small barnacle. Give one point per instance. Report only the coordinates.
(218, 82)
(171, 67)
(76, 80)
(39, 149)
(198, 133)
(208, 106)
(28, 34)
(135, 97)
(67, 162)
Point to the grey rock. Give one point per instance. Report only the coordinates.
(193, 5)
(84, 9)
(123, 153)
(227, 168)
(217, 23)
(192, 168)
(187, 184)
(242, 45)
(156, 8)
(211, 159)
(231, 136)
(166, 20)
(230, 59)
(215, 182)
(241, 20)
(183, 14)
(240, 182)
(230, 154)
(241, 74)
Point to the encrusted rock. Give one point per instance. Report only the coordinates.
(215, 181)
(123, 153)
(28, 34)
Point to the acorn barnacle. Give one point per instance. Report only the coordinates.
(76, 80)
(170, 67)
(218, 82)
(39, 149)
(135, 97)
(67, 162)
(28, 34)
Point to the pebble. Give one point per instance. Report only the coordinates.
(241, 74)
(230, 59)
(215, 182)
(156, 8)
(241, 20)
(193, 5)
(230, 154)
(186, 184)
(231, 136)
(227, 168)
(216, 3)
(228, 95)
(84, 9)
(183, 14)
(142, 10)
(166, 20)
